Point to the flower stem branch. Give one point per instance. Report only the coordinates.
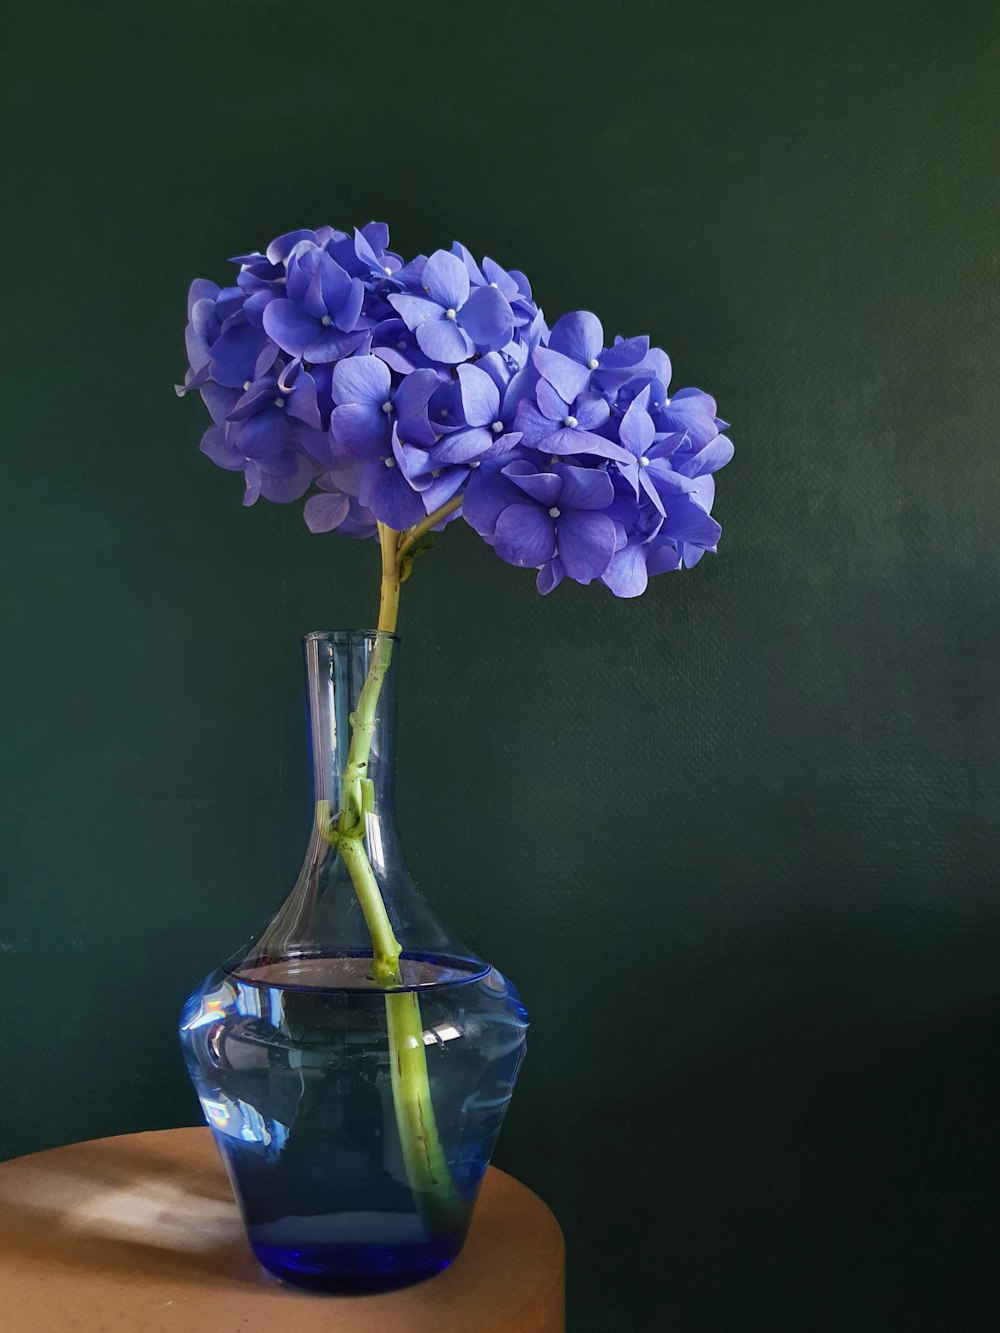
(410, 538)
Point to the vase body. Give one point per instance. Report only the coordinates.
(298, 1055)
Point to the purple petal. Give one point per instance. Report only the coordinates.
(579, 336)
(415, 463)
(488, 495)
(235, 353)
(316, 443)
(625, 352)
(219, 401)
(343, 474)
(202, 330)
(446, 280)
(568, 377)
(584, 487)
(259, 397)
(361, 379)
(412, 398)
(525, 535)
(666, 480)
(331, 289)
(193, 379)
(253, 478)
(550, 576)
(480, 396)
(565, 441)
(709, 459)
(291, 326)
(688, 522)
(463, 445)
(255, 305)
(662, 558)
(302, 278)
(216, 445)
(443, 488)
(201, 289)
(550, 403)
(325, 512)
(444, 341)
(465, 255)
(390, 497)
(349, 309)
(646, 482)
(703, 492)
(415, 310)
(290, 484)
(636, 429)
(626, 575)
(263, 436)
(498, 277)
(535, 429)
(302, 402)
(591, 411)
(586, 544)
(376, 234)
(367, 253)
(487, 317)
(361, 430)
(693, 411)
(545, 487)
(280, 248)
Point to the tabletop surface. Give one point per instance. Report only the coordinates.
(140, 1234)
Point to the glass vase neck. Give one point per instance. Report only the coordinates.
(338, 663)
(322, 917)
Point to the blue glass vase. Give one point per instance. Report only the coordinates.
(356, 1118)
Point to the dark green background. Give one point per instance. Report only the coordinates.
(735, 841)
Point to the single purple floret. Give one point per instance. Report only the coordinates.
(450, 319)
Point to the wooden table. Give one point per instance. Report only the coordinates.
(140, 1234)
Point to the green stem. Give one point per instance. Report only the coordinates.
(426, 1166)
(409, 539)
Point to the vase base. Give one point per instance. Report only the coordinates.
(355, 1269)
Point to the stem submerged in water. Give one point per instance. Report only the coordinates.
(426, 1165)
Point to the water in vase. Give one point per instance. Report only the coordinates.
(291, 1063)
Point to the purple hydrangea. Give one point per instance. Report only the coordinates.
(389, 390)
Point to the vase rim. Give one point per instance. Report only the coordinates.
(348, 635)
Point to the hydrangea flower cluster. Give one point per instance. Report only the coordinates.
(396, 390)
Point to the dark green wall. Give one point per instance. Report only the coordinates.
(736, 841)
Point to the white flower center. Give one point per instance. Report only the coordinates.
(450, 313)
(593, 363)
(497, 427)
(554, 512)
(666, 402)
(496, 285)
(327, 320)
(644, 462)
(246, 385)
(386, 268)
(570, 422)
(387, 407)
(389, 462)
(436, 472)
(474, 463)
(279, 402)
